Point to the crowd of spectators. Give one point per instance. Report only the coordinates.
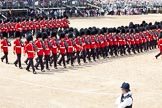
(82, 8)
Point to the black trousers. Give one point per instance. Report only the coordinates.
(103, 52)
(62, 59)
(54, 60)
(111, 50)
(31, 64)
(18, 60)
(158, 55)
(84, 56)
(133, 48)
(116, 49)
(26, 61)
(93, 54)
(128, 47)
(47, 59)
(40, 62)
(5, 56)
(78, 56)
(88, 54)
(97, 53)
(70, 58)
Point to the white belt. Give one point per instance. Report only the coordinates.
(47, 49)
(160, 44)
(62, 47)
(120, 40)
(5, 46)
(93, 42)
(71, 46)
(18, 46)
(54, 47)
(31, 51)
(40, 48)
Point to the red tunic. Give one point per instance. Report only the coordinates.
(78, 44)
(70, 46)
(4, 45)
(62, 48)
(93, 44)
(17, 46)
(40, 47)
(160, 44)
(29, 49)
(54, 48)
(47, 50)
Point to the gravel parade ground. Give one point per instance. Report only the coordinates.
(92, 85)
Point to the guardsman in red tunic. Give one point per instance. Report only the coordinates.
(93, 45)
(25, 43)
(40, 53)
(116, 44)
(78, 46)
(159, 45)
(4, 46)
(111, 43)
(54, 48)
(47, 50)
(84, 42)
(62, 49)
(70, 49)
(102, 45)
(88, 43)
(29, 49)
(18, 44)
(128, 45)
(133, 43)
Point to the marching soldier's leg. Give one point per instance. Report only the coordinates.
(84, 56)
(47, 60)
(63, 59)
(93, 54)
(19, 60)
(89, 55)
(15, 63)
(6, 56)
(32, 65)
(158, 55)
(28, 66)
(78, 57)
(55, 60)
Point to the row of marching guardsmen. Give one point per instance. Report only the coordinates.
(74, 45)
(26, 25)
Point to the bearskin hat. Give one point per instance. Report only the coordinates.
(62, 35)
(44, 35)
(70, 35)
(17, 34)
(29, 38)
(4, 34)
(53, 34)
(38, 35)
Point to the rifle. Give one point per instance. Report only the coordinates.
(43, 45)
(35, 47)
(8, 42)
(22, 43)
